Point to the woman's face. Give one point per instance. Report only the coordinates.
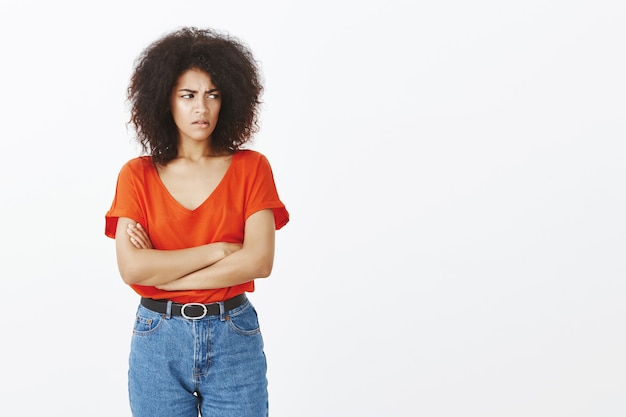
(195, 104)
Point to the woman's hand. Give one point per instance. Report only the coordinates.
(138, 236)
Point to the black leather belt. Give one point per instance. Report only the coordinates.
(193, 310)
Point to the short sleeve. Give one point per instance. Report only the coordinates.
(126, 201)
(264, 195)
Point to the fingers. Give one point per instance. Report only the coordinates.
(138, 236)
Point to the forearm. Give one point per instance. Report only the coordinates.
(139, 263)
(254, 260)
(152, 267)
(237, 268)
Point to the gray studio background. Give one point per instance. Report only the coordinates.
(455, 176)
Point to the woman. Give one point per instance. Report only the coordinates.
(194, 222)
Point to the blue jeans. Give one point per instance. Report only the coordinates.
(214, 366)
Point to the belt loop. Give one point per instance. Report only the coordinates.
(168, 310)
(222, 311)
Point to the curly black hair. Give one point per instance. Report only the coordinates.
(233, 70)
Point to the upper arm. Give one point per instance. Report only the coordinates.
(259, 239)
(124, 248)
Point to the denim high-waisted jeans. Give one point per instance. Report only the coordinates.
(214, 366)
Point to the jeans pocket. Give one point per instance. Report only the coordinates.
(146, 322)
(245, 322)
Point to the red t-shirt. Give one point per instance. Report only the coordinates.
(247, 187)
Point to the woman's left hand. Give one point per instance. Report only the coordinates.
(139, 237)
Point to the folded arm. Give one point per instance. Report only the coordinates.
(139, 263)
(254, 260)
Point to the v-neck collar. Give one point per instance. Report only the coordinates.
(219, 185)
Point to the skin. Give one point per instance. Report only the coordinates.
(191, 178)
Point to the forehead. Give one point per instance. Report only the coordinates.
(195, 77)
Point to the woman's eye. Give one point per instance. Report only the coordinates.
(187, 95)
(214, 95)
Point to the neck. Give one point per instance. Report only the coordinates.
(194, 151)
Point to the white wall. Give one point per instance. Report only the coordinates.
(455, 176)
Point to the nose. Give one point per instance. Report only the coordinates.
(201, 106)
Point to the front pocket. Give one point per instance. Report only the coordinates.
(245, 322)
(146, 322)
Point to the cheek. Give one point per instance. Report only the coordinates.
(175, 117)
(178, 111)
(216, 110)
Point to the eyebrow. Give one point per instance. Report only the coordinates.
(213, 90)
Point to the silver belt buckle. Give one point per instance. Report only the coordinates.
(182, 311)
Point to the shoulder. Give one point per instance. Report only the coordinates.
(249, 155)
(138, 164)
(136, 168)
(248, 159)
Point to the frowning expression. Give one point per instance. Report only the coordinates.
(195, 104)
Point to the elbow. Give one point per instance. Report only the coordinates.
(129, 275)
(128, 278)
(128, 266)
(264, 268)
(264, 273)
